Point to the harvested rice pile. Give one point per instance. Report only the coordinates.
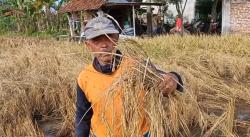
(38, 80)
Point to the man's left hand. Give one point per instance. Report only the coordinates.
(168, 85)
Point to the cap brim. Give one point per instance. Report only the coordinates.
(101, 32)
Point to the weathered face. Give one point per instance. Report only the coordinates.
(103, 44)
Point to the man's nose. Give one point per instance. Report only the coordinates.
(104, 45)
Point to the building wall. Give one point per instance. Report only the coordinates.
(225, 28)
(240, 16)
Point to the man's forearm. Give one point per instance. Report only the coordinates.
(82, 126)
(82, 120)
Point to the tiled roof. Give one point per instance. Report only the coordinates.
(79, 5)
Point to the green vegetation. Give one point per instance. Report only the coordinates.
(32, 16)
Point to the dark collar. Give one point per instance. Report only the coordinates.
(108, 69)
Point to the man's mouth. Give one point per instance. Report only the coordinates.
(107, 52)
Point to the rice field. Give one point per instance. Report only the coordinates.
(38, 82)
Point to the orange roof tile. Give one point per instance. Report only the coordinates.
(79, 5)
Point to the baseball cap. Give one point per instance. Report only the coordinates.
(99, 26)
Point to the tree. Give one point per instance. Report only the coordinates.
(180, 8)
(214, 9)
(208, 10)
(179, 4)
(32, 15)
(205, 7)
(16, 9)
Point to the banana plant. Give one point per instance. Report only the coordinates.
(31, 15)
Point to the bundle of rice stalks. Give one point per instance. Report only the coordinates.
(167, 116)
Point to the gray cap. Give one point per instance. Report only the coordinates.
(99, 26)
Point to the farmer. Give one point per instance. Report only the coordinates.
(178, 24)
(95, 79)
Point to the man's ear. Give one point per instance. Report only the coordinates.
(88, 44)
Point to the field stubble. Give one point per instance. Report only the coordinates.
(38, 80)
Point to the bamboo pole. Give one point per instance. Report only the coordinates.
(70, 28)
(149, 20)
(133, 9)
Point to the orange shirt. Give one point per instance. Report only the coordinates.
(107, 107)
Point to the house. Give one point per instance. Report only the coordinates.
(123, 11)
(236, 16)
(233, 15)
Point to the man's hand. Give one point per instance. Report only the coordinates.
(169, 84)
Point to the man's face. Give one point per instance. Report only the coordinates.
(103, 44)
